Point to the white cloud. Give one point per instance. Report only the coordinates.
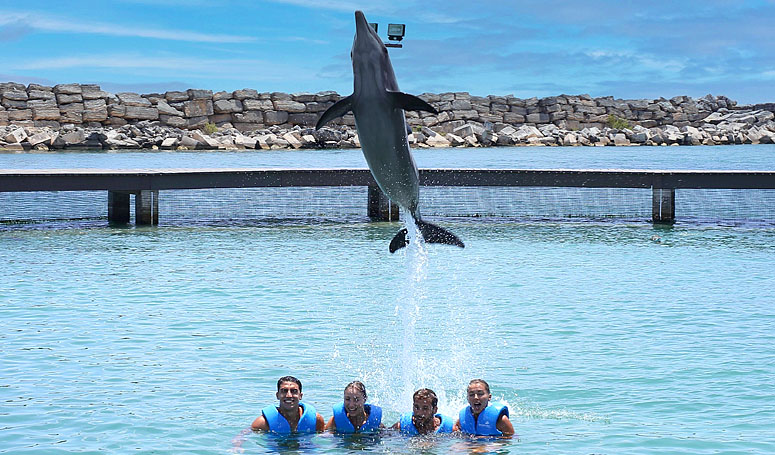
(171, 66)
(336, 5)
(44, 22)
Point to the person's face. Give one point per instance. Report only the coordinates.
(289, 395)
(353, 400)
(478, 397)
(424, 410)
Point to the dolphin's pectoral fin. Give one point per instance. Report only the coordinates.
(435, 234)
(409, 102)
(399, 241)
(338, 109)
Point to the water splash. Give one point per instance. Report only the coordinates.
(428, 342)
(413, 296)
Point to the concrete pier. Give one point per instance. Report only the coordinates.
(146, 184)
(663, 205)
(147, 207)
(118, 207)
(380, 207)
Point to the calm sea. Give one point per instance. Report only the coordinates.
(605, 338)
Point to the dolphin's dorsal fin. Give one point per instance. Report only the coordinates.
(409, 102)
(339, 108)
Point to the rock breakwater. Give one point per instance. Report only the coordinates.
(84, 116)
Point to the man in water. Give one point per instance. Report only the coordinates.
(424, 418)
(292, 415)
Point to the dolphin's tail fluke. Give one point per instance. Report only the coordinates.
(430, 233)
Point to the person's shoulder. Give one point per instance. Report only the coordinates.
(504, 425)
(260, 424)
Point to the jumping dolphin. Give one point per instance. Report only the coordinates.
(379, 107)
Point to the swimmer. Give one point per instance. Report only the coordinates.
(424, 418)
(354, 415)
(292, 416)
(481, 417)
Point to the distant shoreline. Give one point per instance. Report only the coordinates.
(82, 116)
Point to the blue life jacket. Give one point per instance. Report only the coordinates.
(278, 424)
(484, 424)
(407, 426)
(343, 424)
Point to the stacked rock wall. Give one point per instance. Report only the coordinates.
(86, 110)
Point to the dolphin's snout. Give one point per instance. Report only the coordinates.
(361, 24)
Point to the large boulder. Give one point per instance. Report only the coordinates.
(166, 109)
(93, 92)
(16, 136)
(198, 107)
(41, 95)
(245, 93)
(275, 117)
(176, 97)
(40, 138)
(141, 113)
(196, 122)
(225, 106)
(95, 110)
(64, 98)
(200, 94)
(538, 118)
(173, 120)
(71, 113)
(257, 105)
(289, 106)
(249, 117)
(306, 119)
(15, 95)
(68, 89)
(77, 137)
(133, 99)
(44, 109)
(437, 140)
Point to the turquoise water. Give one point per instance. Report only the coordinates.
(602, 337)
(751, 157)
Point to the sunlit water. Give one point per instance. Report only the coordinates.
(602, 337)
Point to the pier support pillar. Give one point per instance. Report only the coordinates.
(380, 207)
(118, 207)
(663, 205)
(147, 207)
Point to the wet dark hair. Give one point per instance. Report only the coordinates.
(288, 379)
(425, 394)
(357, 385)
(480, 381)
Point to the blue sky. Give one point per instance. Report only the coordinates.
(627, 49)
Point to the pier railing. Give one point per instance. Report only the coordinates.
(146, 184)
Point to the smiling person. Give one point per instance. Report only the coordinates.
(424, 418)
(292, 415)
(354, 415)
(481, 417)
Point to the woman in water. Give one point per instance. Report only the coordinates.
(481, 417)
(354, 415)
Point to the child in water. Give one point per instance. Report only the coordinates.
(481, 417)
